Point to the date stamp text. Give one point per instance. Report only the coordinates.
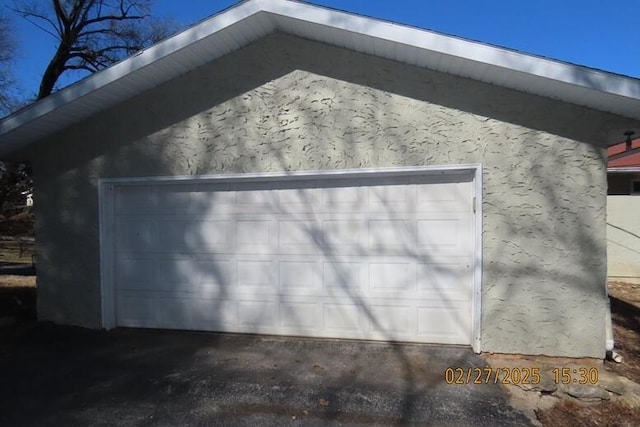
(519, 375)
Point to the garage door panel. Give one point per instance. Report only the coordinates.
(392, 277)
(139, 199)
(256, 273)
(343, 199)
(178, 274)
(398, 198)
(298, 199)
(443, 276)
(345, 275)
(212, 200)
(298, 317)
(135, 235)
(446, 197)
(252, 201)
(175, 198)
(225, 314)
(195, 236)
(343, 232)
(343, 317)
(300, 278)
(392, 321)
(183, 312)
(299, 236)
(438, 233)
(444, 235)
(444, 322)
(386, 258)
(219, 271)
(134, 270)
(135, 310)
(254, 236)
(391, 235)
(259, 314)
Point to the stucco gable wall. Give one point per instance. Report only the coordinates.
(290, 104)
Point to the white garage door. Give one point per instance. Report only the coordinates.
(381, 258)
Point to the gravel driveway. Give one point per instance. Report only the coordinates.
(52, 375)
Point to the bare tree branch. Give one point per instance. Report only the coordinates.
(81, 67)
(112, 18)
(29, 15)
(8, 100)
(14, 177)
(60, 13)
(91, 34)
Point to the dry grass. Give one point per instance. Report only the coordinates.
(17, 250)
(9, 281)
(14, 251)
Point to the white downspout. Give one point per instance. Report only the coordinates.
(609, 342)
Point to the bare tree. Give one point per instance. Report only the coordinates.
(91, 34)
(7, 51)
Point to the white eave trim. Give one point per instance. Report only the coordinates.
(131, 64)
(253, 19)
(478, 52)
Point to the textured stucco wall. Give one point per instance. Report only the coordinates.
(623, 238)
(287, 104)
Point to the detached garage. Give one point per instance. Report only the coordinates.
(282, 168)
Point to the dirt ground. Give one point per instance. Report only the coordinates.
(18, 297)
(18, 301)
(625, 311)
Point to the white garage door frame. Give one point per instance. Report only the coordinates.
(106, 192)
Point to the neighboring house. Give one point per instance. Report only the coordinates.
(623, 211)
(284, 168)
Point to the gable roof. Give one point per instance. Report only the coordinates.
(250, 20)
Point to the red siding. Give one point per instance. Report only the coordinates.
(626, 161)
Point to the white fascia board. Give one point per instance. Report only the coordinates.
(133, 63)
(469, 50)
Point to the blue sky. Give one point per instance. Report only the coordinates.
(596, 33)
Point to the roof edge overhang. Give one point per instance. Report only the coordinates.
(250, 20)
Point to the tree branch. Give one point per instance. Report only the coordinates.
(32, 14)
(91, 34)
(51, 33)
(111, 18)
(100, 31)
(61, 14)
(80, 67)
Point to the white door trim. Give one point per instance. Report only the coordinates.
(106, 206)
